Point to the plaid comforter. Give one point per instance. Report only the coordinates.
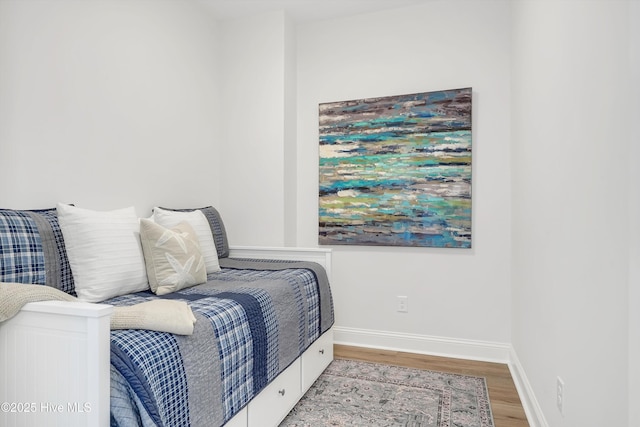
(254, 318)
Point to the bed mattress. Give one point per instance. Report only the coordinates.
(253, 319)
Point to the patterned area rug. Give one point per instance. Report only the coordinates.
(351, 393)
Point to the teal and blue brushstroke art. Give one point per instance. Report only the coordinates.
(396, 171)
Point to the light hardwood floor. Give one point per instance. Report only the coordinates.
(505, 404)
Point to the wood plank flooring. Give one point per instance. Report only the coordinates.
(505, 403)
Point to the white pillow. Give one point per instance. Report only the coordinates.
(173, 257)
(104, 251)
(200, 224)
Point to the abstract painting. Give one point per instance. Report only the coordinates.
(396, 171)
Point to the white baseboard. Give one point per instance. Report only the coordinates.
(532, 408)
(423, 344)
(449, 347)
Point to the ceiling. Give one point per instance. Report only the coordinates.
(302, 10)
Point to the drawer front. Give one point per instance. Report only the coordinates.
(316, 359)
(238, 420)
(277, 399)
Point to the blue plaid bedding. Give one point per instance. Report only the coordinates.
(254, 318)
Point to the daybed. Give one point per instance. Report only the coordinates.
(261, 337)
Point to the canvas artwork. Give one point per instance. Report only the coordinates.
(396, 171)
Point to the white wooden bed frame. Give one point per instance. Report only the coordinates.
(54, 362)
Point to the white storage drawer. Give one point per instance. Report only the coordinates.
(316, 359)
(277, 399)
(239, 419)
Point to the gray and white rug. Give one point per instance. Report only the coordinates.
(352, 393)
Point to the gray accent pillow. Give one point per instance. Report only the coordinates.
(32, 249)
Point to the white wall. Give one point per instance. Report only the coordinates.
(634, 214)
(107, 104)
(290, 135)
(256, 55)
(570, 204)
(459, 294)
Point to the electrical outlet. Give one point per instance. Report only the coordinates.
(560, 395)
(403, 304)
